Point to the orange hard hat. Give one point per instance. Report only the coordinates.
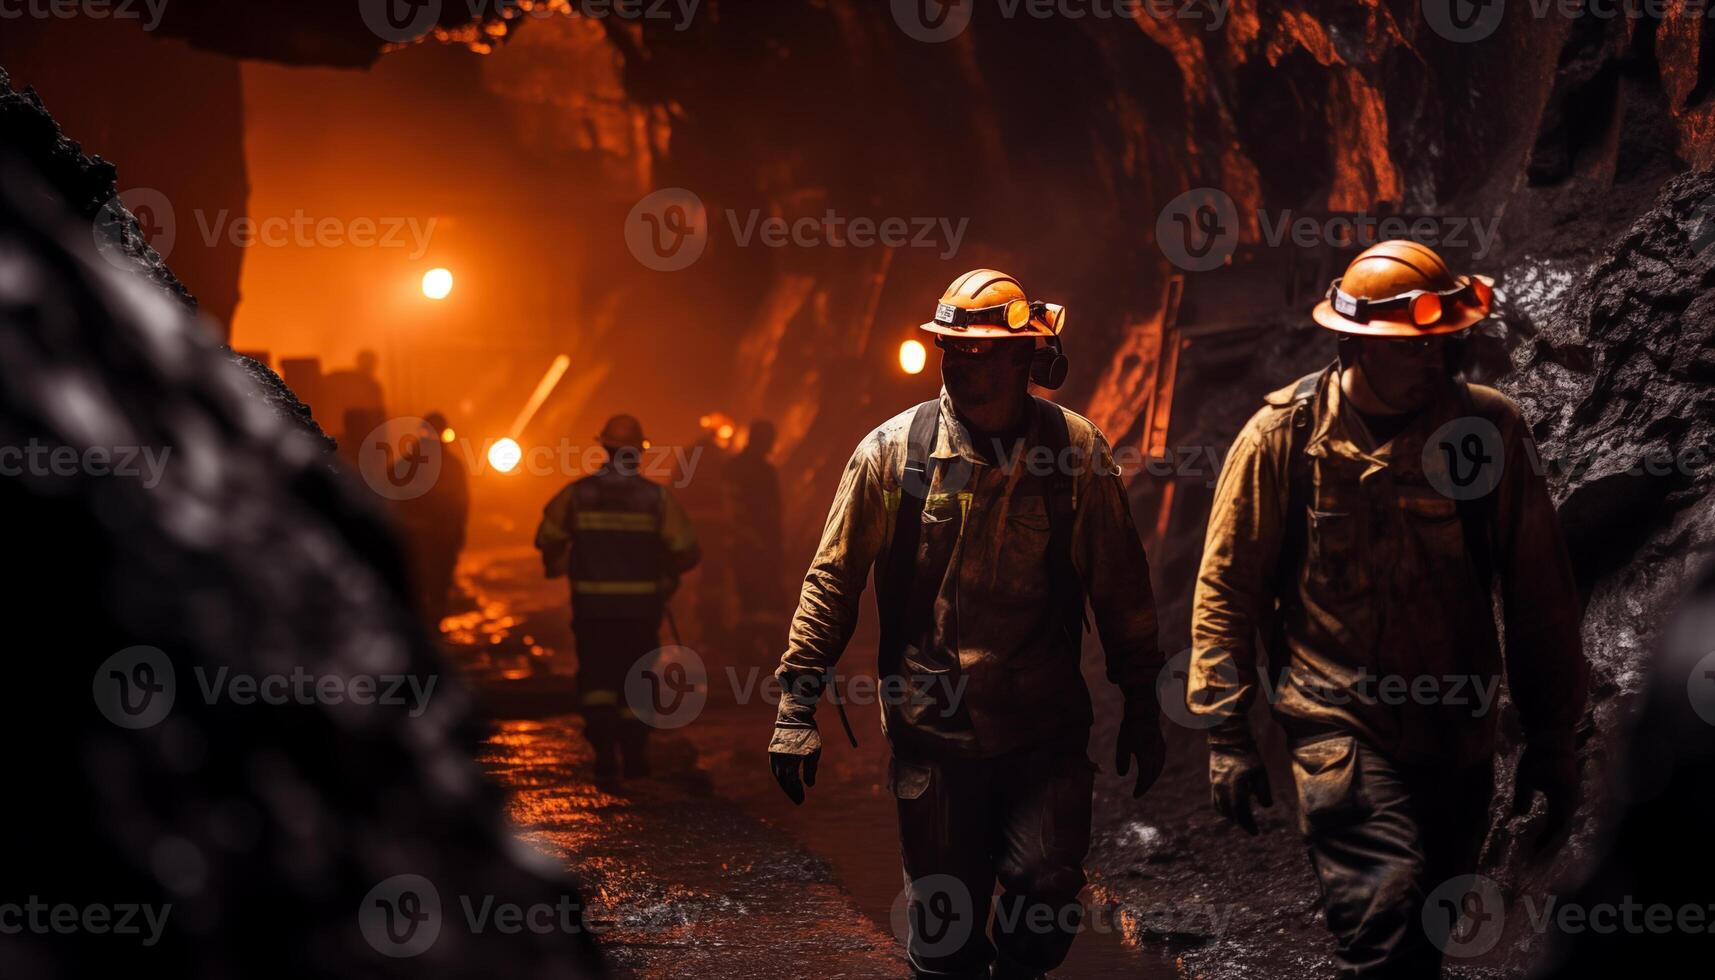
(623, 432)
(1403, 289)
(985, 303)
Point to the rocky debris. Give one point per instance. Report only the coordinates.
(87, 185)
(258, 832)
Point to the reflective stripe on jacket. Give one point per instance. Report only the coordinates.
(621, 539)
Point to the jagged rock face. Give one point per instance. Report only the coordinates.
(172, 119)
(166, 500)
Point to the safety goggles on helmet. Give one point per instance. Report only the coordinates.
(1420, 307)
(1015, 315)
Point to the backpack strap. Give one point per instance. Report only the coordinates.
(1060, 494)
(915, 479)
(1299, 479)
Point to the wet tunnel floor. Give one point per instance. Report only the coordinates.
(703, 869)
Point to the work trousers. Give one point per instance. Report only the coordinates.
(1383, 838)
(1022, 818)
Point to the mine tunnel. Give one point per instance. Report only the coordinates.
(945, 488)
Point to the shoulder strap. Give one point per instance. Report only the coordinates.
(1292, 546)
(1059, 491)
(915, 479)
(1477, 515)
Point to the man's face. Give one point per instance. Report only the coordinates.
(985, 371)
(1407, 374)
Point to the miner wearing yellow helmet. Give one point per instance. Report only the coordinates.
(1363, 522)
(990, 518)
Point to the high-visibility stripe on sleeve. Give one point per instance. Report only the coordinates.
(615, 520)
(587, 587)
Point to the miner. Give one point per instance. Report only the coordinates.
(990, 517)
(624, 542)
(1363, 522)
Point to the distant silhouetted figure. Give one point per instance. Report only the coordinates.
(435, 524)
(357, 387)
(752, 495)
(623, 541)
(356, 424)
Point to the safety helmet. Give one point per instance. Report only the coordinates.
(622, 432)
(1403, 289)
(984, 303)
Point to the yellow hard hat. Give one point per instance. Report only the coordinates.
(1403, 289)
(623, 432)
(986, 303)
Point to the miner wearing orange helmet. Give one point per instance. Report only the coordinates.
(990, 518)
(1363, 521)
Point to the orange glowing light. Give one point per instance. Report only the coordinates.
(724, 432)
(913, 356)
(505, 455)
(438, 283)
(447, 435)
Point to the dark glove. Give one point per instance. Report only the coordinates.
(786, 772)
(1236, 777)
(1140, 738)
(1549, 767)
(791, 747)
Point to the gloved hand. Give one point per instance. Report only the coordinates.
(1236, 777)
(794, 748)
(786, 772)
(1549, 767)
(1140, 738)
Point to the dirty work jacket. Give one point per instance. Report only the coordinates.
(998, 645)
(1383, 593)
(622, 540)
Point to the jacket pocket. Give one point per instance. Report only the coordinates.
(1325, 772)
(906, 780)
(1337, 553)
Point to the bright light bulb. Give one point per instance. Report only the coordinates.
(438, 283)
(913, 356)
(504, 455)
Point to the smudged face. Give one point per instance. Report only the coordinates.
(986, 371)
(1405, 374)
